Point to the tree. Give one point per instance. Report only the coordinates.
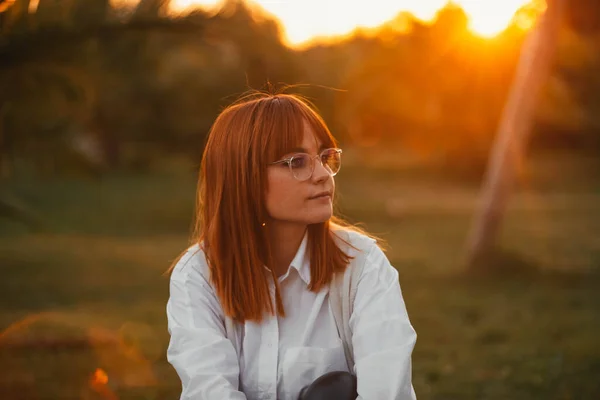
(516, 123)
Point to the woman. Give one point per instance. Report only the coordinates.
(265, 248)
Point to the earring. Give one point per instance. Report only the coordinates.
(264, 224)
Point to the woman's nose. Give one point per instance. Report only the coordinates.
(320, 173)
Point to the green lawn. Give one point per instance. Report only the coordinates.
(86, 292)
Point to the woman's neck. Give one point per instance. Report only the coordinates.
(285, 239)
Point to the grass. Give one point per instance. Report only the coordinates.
(85, 296)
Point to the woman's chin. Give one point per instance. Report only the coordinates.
(318, 218)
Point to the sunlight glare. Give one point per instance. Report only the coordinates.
(305, 20)
(184, 5)
(488, 18)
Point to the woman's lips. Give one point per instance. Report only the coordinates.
(320, 196)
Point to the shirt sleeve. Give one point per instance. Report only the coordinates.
(203, 357)
(382, 335)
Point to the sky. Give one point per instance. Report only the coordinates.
(304, 20)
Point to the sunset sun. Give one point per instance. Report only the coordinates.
(488, 18)
(304, 20)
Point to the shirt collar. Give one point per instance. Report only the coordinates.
(300, 262)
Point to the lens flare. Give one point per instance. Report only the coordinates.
(76, 351)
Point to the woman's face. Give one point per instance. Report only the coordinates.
(303, 202)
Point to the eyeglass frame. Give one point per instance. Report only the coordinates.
(311, 160)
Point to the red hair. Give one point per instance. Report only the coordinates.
(232, 184)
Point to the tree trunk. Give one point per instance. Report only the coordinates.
(515, 125)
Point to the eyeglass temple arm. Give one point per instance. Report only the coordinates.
(281, 161)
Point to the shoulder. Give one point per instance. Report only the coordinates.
(192, 265)
(366, 254)
(353, 242)
(190, 290)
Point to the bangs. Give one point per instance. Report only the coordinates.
(284, 120)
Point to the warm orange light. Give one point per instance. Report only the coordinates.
(304, 20)
(183, 5)
(5, 4)
(98, 383)
(488, 18)
(99, 377)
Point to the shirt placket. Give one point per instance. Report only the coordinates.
(269, 350)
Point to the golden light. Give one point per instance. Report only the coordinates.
(488, 18)
(33, 6)
(305, 20)
(99, 384)
(99, 377)
(5, 4)
(183, 5)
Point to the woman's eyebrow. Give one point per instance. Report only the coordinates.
(303, 150)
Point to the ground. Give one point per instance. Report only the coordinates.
(82, 299)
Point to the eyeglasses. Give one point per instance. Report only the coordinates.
(302, 165)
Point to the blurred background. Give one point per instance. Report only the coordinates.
(104, 110)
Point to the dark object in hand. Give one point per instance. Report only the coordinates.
(336, 385)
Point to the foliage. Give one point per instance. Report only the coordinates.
(96, 86)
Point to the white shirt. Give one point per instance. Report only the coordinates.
(279, 356)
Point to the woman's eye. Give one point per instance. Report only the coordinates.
(298, 162)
